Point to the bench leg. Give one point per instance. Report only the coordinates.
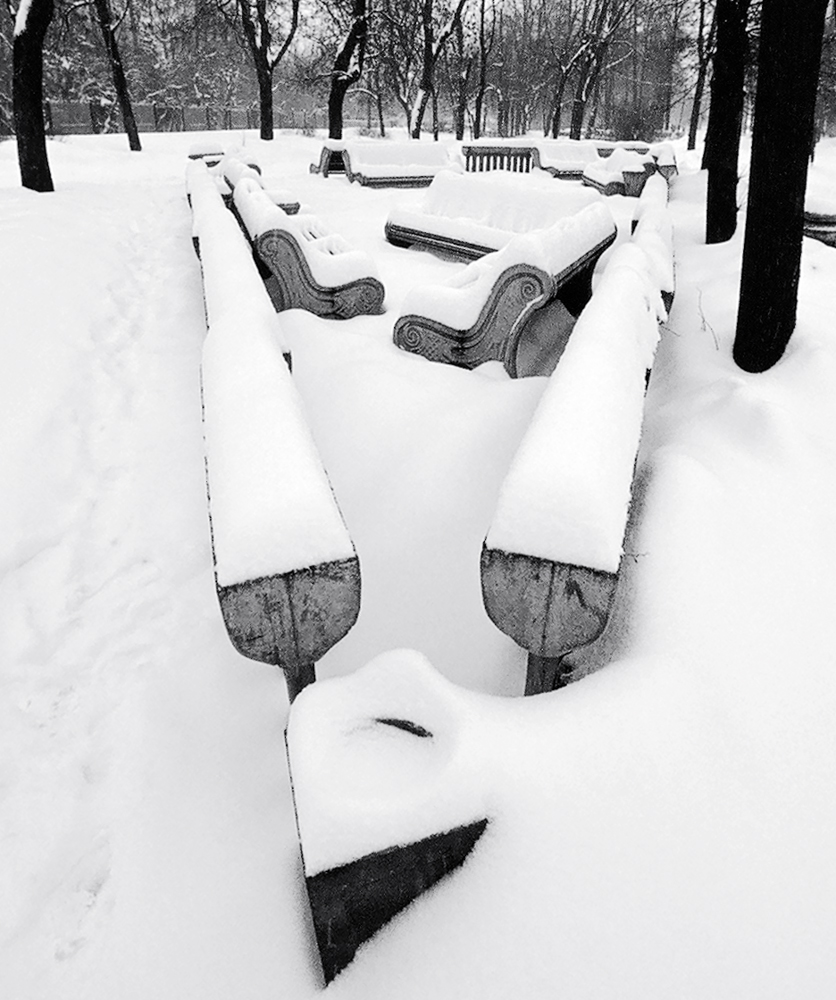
(299, 677)
(545, 673)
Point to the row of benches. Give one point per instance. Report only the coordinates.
(526, 297)
(415, 164)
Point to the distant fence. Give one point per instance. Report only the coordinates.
(78, 118)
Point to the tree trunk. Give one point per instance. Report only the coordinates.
(120, 84)
(343, 74)
(558, 107)
(725, 120)
(788, 71)
(265, 100)
(28, 96)
(699, 90)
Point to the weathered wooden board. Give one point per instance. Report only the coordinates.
(294, 618)
(548, 608)
(350, 904)
(292, 285)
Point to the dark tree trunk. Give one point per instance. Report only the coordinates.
(725, 120)
(28, 97)
(558, 107)
(694, 123)
(788, 71)
(265, 100)
(343, 74)
(120, 83)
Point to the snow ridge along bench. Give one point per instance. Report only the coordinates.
(232, 168)
(386, 163)
(551, 558)
(515, 306)
(286, 572)
(307, 266)
(622, 171)
(466, 216)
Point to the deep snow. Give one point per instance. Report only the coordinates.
(662, 828)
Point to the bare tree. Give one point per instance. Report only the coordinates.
(788, 70)
(486, 32)
(725, 119)
(108, 27)
(706, 35)
(269, 27)
(31, 21)
(348, 65)
(435, 34)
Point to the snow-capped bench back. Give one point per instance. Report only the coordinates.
(565, 158)
(551, 556)
(310, 267)
(234, 167)
(623, 171)
(515, 306)
(468, 217)
(287, 575)
(386, 163)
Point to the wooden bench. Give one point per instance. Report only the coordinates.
(562, 158)
(306, 265)
(551, 557)
(466, 217)
(286, 573)
(620, 172)
(499, 156)
(820, 226)
(515, 306)
(234, 169)
(386, 163)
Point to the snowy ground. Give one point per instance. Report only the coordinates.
(663, 828)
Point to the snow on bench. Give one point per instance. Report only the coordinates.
(234, 168)
(386, 163)
(623, 171)
(467, 217)
(563, 158)
(551, 556)
(309, 266)
(653, 233)
(515, 306)
(211, 151)
(386, 803)
(286, 573)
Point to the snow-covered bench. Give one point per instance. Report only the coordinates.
(623, 171)
(309, 266)
(491, 310)
(563, 158)
(482, 157)
(551, 557)
(286, 573)
(211, 151)
(386, 163)
(233, 168)
(467, 217)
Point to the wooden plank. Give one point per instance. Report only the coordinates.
(293, 286)
(549, 608)
(351, 903)
(293, 619)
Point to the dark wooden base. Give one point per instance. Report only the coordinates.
(351, 903)
(548, 608)
(293, 619)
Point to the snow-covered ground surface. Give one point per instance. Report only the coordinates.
(662, 828)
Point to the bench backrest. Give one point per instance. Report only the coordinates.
(554, 251)
(332, 261)
(504, 202)
(394, 153)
